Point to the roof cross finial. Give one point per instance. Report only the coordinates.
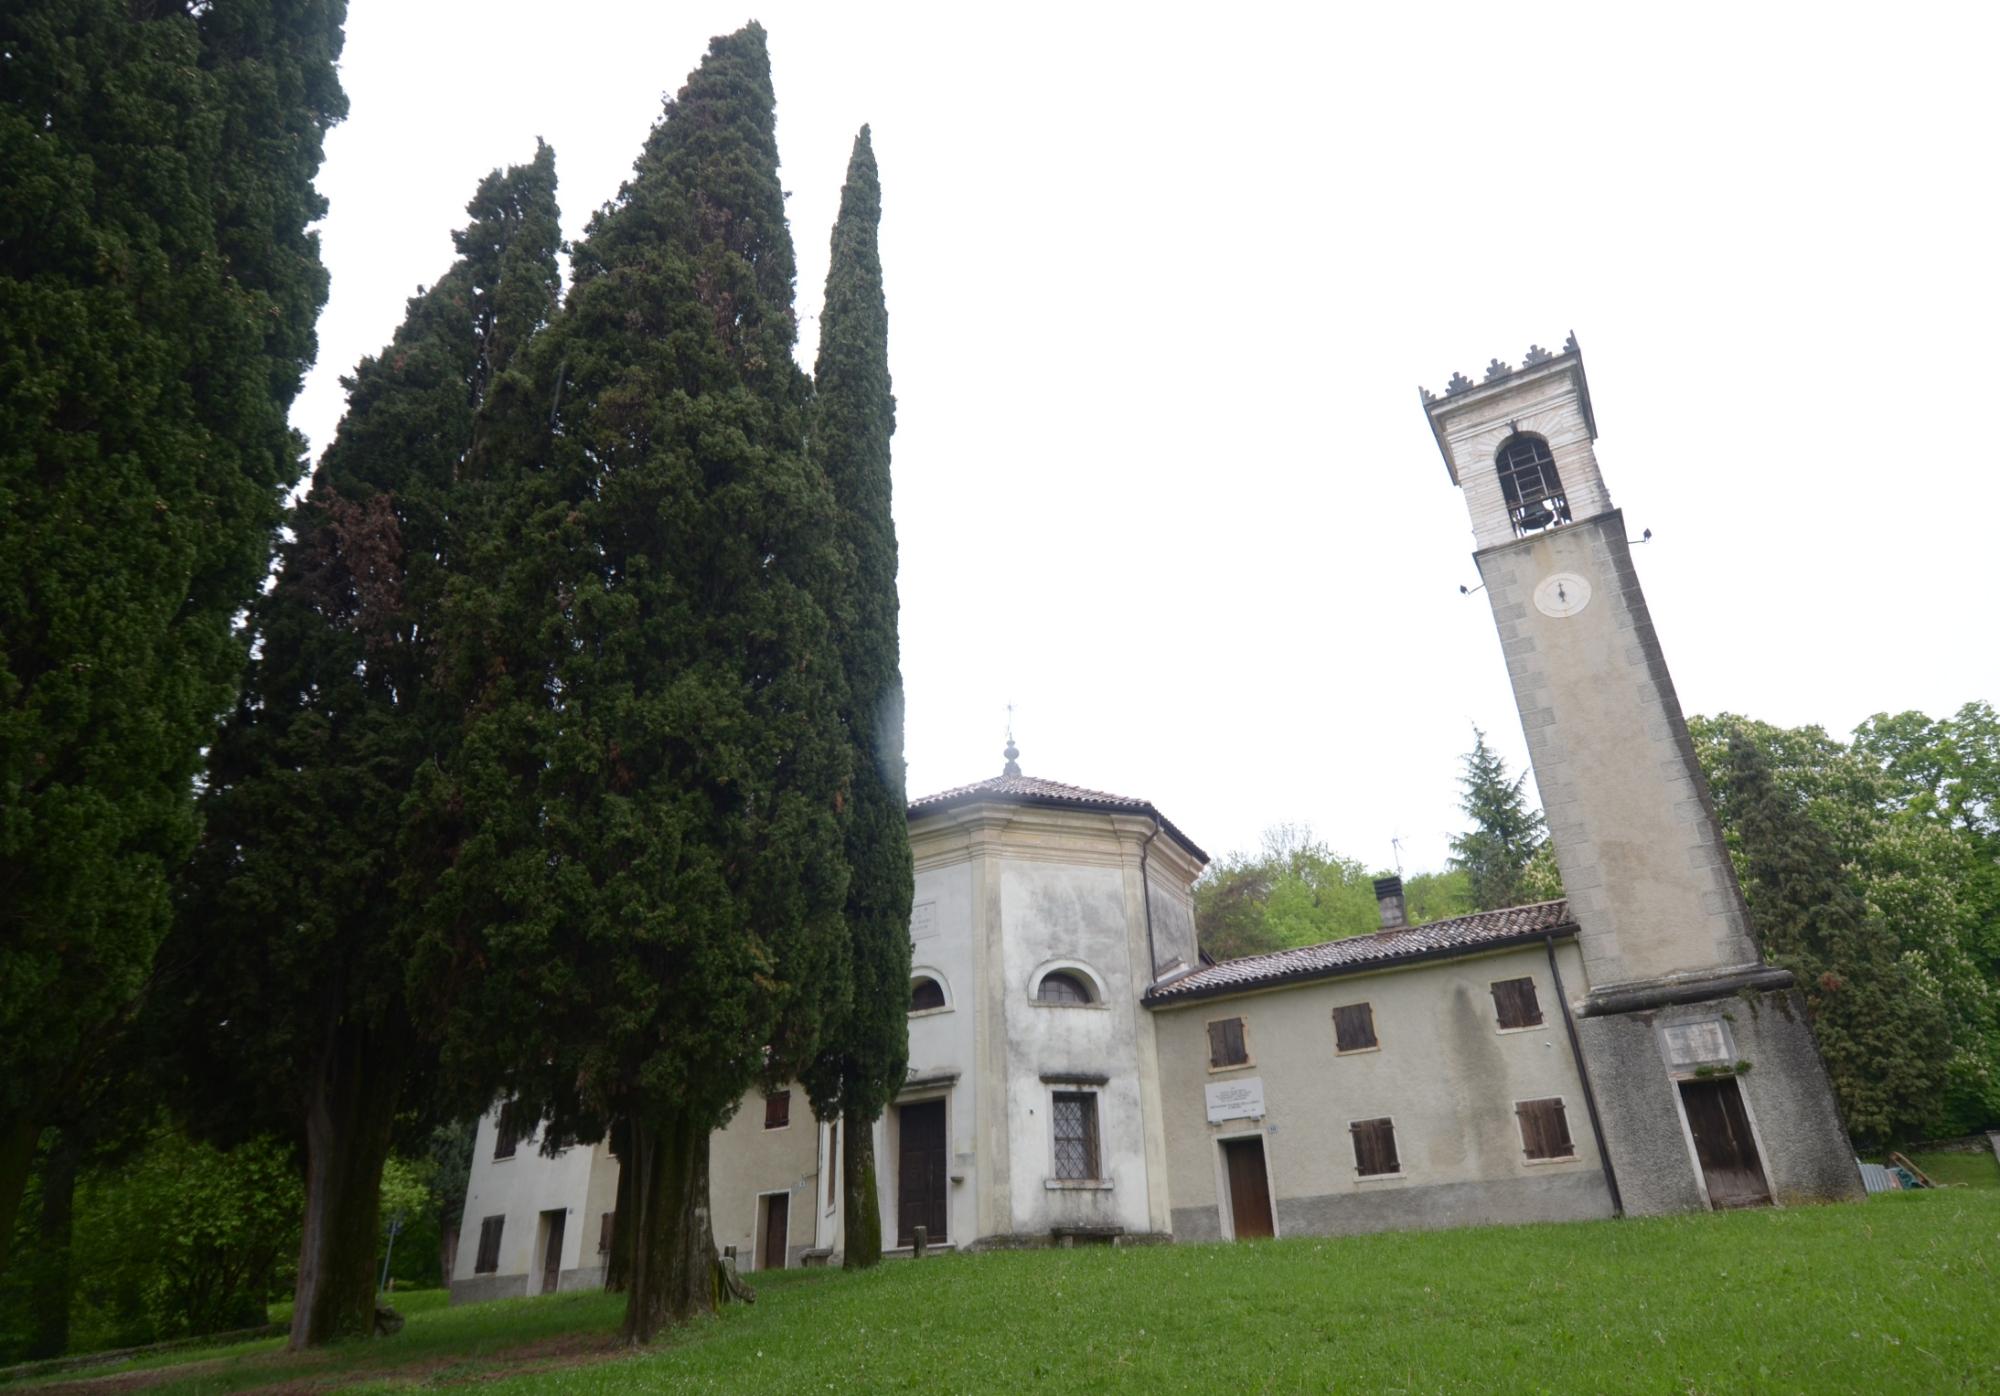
(1013, 753)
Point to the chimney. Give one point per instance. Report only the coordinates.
(1389, 895)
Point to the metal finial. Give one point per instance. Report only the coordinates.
(1013, 753)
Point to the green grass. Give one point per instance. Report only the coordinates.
(1895, 1295)
(1980, 1170)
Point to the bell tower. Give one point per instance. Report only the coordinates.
(1664, 933)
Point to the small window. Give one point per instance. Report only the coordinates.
(1528, 479)
(508, 1134)
(1059, 986)
(1544, 1129)
(1076, 1135)
(1228, 1045)
(489, 1246)
(1515, 1002)
(604, 1226)
(777, 1109)
(1374, 1147)
(925, 994)
(1353, 1027)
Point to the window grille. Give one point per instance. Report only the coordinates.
(1076, 1135)
(1532, 488)
(1062, 988)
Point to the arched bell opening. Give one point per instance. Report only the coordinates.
(1530, 484)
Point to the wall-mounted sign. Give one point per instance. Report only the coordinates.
(1695, 1044)
(923, 920)
(1236, 1100)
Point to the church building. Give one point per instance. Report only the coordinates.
(1079, 1073)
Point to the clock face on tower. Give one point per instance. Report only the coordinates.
(1561, 594)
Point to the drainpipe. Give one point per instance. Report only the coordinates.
(1583, 1075)
(1146, 892)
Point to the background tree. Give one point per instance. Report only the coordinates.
(158, 289)
(641, 834)
(864, 1060)
(288, 966)
(1505, 833)
(1883, 1034)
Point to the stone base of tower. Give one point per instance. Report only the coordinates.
(1678, 1085)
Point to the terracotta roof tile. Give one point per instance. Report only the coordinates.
(1033, 790)
(1483, 930)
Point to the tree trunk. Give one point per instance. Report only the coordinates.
(618, 1264)
(860, 1206)
(447, 1250)
(347, 1129)
(54, 1280)
(18, 1136)
(674, 1273)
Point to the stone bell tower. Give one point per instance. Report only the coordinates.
(1710, 1085)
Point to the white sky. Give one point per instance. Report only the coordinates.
(1162, 285)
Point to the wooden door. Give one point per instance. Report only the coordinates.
(1249, 1188)
(777, 1231)
(552, 1252)
(1723, 1143)
(920, 1172)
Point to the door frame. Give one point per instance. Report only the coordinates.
(1225, 1205)
(892, 1226)
(761, 1225)
(1675, 1079)
(553, 1235)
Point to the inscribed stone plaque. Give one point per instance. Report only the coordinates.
(1692, 1044)
(923, 921)
(1236, 1100)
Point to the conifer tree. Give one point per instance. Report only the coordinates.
(645, 848)
(287, 966)
(158, 290)
(864, 1061)
(1884, 1036)
(1505, 832)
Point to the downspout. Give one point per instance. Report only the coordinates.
(1146, 893)
(1583, 1075)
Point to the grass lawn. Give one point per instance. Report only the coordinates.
(1898, 1294)
(1980, 1170)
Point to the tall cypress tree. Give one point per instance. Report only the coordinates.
(287, 969)
(645, 849)
(1505, 832)
(864, 1061)
(1885, 1037)
(158, 288)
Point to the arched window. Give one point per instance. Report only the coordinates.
(1529, 481)
(1060, 986)
(925, 994)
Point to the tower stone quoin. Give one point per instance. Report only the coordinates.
(1676, 992)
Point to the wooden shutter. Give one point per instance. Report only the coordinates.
(777, 1109)
(1515, 1002)
(832, 1159)
(1374, 1147)
(1226, 1046)
(1353, 1027)
(604, 1234)
(1544, 1129)
(488, 1259)
(505, 1135)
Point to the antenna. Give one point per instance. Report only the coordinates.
(1464, 590)
(1396, 844)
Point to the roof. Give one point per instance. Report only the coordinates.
(1047, 794)
(1461, 935)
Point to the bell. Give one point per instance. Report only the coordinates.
(1533, 517)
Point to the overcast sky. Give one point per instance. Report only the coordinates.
(1163, 283)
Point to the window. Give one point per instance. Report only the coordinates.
(508, 1134)
(925, 994)
(1076, 1135)
(1514, 1000)
(1374, 1147)
(832, 1160)
(1544, 1129)
(777, 1109)
(604, 1233)
(1227, 1044)
(1353, 1028)
(489, 1246)
(1529, 481)
(1061, 987)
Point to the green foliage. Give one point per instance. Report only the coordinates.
(1505, 834)
(1439, 896)
(158, 288)
(862, 1064)
(1293, 891)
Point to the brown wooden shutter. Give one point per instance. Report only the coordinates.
(1353, 1027)
(1515, 1002)
(488, 1259)
(1544, 1129)
(1374, 1147)
(505, 1135)
(1226, 1043)
(604, 1234)
(777, 1109)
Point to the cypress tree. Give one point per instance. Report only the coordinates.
(864, 1061)
(158, 288)
(1505, 833)
(1885, 1038)
(288, 962)
(643, 824)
